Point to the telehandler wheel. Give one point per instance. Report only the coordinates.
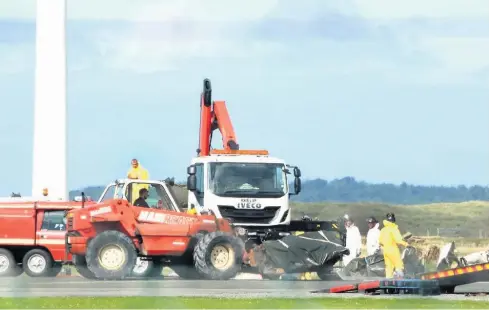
(38, 263)
(81, 267)
(147, 269)
(8, 265)
(218, 256)
(111, 255)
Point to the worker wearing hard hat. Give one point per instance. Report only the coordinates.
(373, 234)
(137, 172)
(390, 237)
(353, 240)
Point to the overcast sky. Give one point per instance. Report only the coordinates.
(385, 91)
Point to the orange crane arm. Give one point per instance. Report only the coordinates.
(214, 115)
(223, 121)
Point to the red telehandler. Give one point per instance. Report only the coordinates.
(105, 240)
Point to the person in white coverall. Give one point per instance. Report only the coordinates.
(373, 234)
(353, 240)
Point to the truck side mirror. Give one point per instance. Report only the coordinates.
(191, 170)
(297, 172)
(297, 185)
(192, 183)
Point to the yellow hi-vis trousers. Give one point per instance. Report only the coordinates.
(393, 261)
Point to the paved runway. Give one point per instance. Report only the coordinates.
(76, 286)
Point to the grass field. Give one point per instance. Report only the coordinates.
(235, 303)
(470, 217)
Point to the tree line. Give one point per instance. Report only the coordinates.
(349, 190)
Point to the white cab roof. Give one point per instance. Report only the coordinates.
(238, 159)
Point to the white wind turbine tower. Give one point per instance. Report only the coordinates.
(49, 169)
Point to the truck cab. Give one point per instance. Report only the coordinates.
(248, 188)
(160, 194)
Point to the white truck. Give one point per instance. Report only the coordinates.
(250, 190)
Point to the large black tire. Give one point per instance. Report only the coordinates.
(81, 267)
(9, 267)
(207, 249)
(38, 263)
(152, 270)
(123, 250)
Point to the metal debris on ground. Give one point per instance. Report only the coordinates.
(390, 287)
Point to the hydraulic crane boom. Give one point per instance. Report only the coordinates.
(214, 115)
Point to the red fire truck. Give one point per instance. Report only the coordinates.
(32, 236)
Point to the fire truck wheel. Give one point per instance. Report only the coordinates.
(81, 267)
(38, 263)
(218, 256)
(111, 255)
(8, 265)
(147, 269)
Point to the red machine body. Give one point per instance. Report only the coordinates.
(154, 232)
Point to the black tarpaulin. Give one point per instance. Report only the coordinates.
(304, 252)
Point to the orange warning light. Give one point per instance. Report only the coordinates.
(239, 152)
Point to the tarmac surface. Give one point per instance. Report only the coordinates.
(77, 286)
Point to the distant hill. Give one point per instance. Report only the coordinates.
(349, 190)
(466, 219)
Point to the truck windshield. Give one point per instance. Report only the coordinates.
(265, 180)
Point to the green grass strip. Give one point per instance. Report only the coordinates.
(234, 303)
